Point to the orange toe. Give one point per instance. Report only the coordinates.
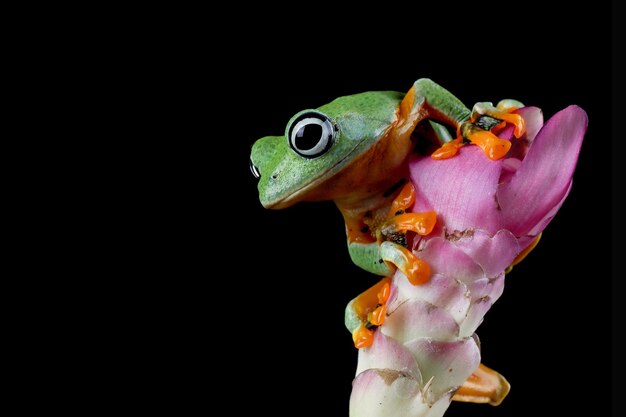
(448, 149)
(494, 147)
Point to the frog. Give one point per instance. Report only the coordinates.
(354, 151)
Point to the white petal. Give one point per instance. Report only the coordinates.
(475, 316)
(445, 364)
(389, 393)
(386, 353)
(487, 287)
(443, 291)
(417, 318)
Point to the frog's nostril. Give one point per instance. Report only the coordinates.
(274, 177)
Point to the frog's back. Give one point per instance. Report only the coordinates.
(377, 105)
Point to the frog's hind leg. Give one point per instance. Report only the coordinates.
(484, 386)
(367, 312)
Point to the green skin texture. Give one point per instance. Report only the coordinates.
(362, 120)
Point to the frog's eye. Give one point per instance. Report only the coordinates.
(311, 134)
(254, 169)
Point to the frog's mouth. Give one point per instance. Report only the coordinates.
(301, 193)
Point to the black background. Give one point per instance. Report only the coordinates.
(253, 299)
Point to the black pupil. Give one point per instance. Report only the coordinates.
(308, 136)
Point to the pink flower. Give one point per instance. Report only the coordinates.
(519, 193)
(488, 212)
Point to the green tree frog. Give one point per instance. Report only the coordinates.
(354, 151)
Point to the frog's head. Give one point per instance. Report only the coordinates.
(318, 144)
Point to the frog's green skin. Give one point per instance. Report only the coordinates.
(365, 161)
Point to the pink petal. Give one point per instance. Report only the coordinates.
(493, 254)
(460, 189)
(449, 364)
(386, 353)
(533, 118)
(507, 133)
(509, 167)
(544, 177)
(446, 258)
(416, 318)
(541, 225)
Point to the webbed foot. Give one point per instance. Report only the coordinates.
(478, 130)
(392, 236)
(503, 112)
(368, 311)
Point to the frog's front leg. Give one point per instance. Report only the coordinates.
(390, 249)
(392, 236)
(368, 257)
(383, 258)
